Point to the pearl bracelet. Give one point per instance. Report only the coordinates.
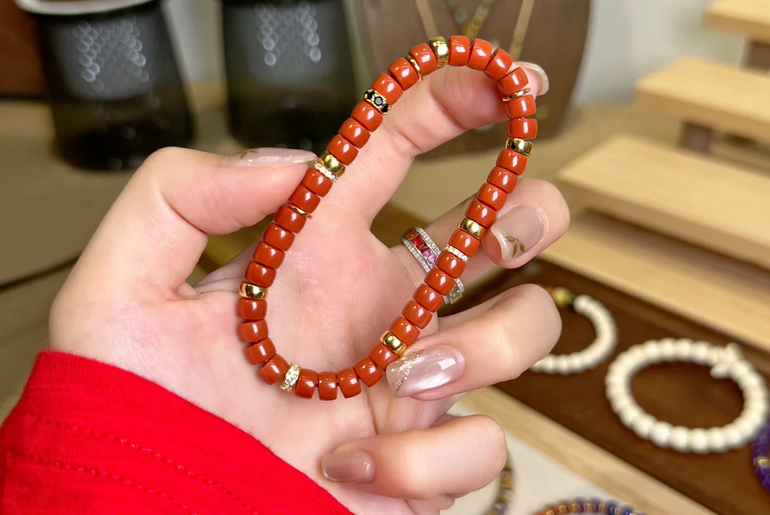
(725, 362)
(594, 354)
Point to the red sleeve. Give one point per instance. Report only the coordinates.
(89, 438)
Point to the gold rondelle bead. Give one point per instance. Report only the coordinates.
(299, 210)
(475, 229)
(290, 379)
(332, 164)
(519, 145)
(252, 291)
(562, 297)
(518, 94)
(373, 97)
(441, 49)
(397, 346)
(415, 64)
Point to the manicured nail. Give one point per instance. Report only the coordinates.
(519, 230)
(425, 370)
(542, 77)
(348, 467)
(270, 156)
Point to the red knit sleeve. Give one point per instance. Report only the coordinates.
(89, 438)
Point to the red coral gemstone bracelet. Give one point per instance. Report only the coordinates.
(341, 152)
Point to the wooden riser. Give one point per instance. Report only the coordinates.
(704, 201)
(748, 18)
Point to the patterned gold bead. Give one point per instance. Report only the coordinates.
(378, 101)
(519, 145)
(252, 291)
(290, 379)
(393, 343)
(415, 64)
(331, 164)
(574, 507)
(563, 509)
(441, 49)
(475, 229)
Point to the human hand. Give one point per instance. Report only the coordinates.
(126, 303)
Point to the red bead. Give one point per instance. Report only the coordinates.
(503, 179)
(251, 309)
(258, 353)
(382, 356)
(465, 242)
(327, 386)
(524, 128)
(439, 281)
(367, 115)
(451, 264)
(367, 371)
(428, 298)
(259, 274)
(512, 161)
(499, 65)
(348, 382)
(404, 73)
(513, 82)
(425, 57)
(481, 213)
(289, 219)
(268, 255)
(459, 50)
(387, 86)
(278, 237)
(417, 314)
(481, 53)
(306, 384)
(342, 149)
(252, 331)
(317, 182)
(274, 369)
(404, 330)
(492, 196)
(520, 107)
(305, 199)
(355, 133)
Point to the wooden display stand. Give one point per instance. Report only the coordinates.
(748, 18)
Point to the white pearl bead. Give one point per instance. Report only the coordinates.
(562, 366)
(679, 438)
(697, 441)
(682, 350)
(642, 425)
(660, 432)
(628, 413)
(716, 439)
(698, 352)
(667, 349)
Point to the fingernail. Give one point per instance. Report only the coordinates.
(425, 370)
(348, 467)
(269, 156)
(519, 230)
(542, 77)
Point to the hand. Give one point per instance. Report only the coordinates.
(126, 303)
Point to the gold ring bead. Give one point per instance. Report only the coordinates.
(290, 379)
(373, 97)
(252, 291)
(393, 343)
(475, 229)
(299, 210)
(441, 49)
(516, 95)
(414, 64)
(331, 164)
(519, 145)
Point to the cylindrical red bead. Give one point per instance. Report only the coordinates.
(520, 107)
(258, 353)
(367, 371)
(481, 213)
(451, 264)
(306, 384)
(342, 149)
(278, 237)
(428, 298)
(499, 65)
(317, 182)
(327, 386)
(459, 50)
(512, 161)
(289, 219)
(465, 242)
(268, 255)
(387, 86)
(404, 73)
(503, 179)
(404, 330)
(259, 274)
(439, 281)
(355, 133)
(513, 82)
(252, 331)
(481, 53)
(524, 128)
(492, 196)
(305, 199)
(367, 115)
(425, 57)
(382, 356)
(348, 382)
(274, 369)
(251, 309)
(417, 314)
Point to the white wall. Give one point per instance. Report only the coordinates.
(627, 39)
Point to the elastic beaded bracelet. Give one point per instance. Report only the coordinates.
(331, 165)
(580, 505)
(761, 457)
(504, 496)
(594, 354)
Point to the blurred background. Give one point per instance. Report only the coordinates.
(656, 128)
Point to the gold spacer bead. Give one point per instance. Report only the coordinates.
(506, 483)
(332, 164)
(397, 346)
(415, 64)
(373, 97)
(562, 297)
(763, 462)
(290, 378)
(252, 291)
(516, 95)
(475, 229)
(519, 145)
(441, 49)
(299, 210)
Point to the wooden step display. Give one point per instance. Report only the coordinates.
(748, 18)
(683, 194)
(708, 97)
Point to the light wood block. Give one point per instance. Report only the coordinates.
(698, 199)
(718, 292)
(748, 18)
(711, 95)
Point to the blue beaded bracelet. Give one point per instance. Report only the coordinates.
(760, 457)
(579, 505)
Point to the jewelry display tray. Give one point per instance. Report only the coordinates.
(681, 393)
